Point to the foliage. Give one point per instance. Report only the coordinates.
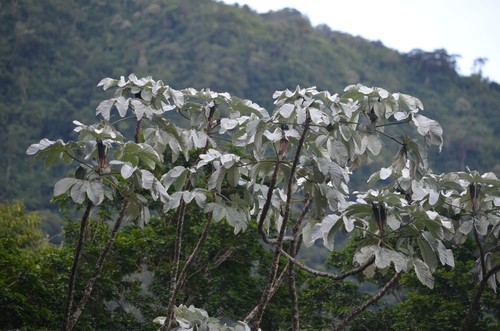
(26, 297)
(442, 307)
(202, 43)
(129, 292)
(298, 158)
(19, 226)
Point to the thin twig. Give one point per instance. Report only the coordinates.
(392, 138)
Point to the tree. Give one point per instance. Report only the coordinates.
(26, 297)
(287, 172)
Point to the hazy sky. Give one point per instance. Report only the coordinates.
(470, 28)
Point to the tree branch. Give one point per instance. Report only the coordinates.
(267, 203)
(325, 274)
(474, 305)
(195, 252)
(481, 250)
(272, 291)
(358, 310)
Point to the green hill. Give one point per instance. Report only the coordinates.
(54, 52)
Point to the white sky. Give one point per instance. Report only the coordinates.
(470, 28)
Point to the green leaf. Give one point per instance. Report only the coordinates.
(359, 210)
(180, 181)
(215, 180)
(236, 218)
(127, 170)
(227, 124)
(122, 105)
(104, 108)
(435, 228)
(338, 151)
(445, 255)
(197, 139)
(140, 109)
(63, 185)
(218, 211)
(176, 96)
(364, 254)
(332, 171)
(481, 225)
(147, 179)
(51, 151)
(107, 83)
(133, 153)
(431, 129)
(174, 175)
(329, 227)
(385, 173)
(409, 103)
(42, 145)
(374, 144)
(310, 233)
(384, 257)
(233, 176)
(95, 192)
(423, 273)
(78, 191)
(428, 253)
(200, 198)
(492, 280)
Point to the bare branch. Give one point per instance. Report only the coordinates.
(368, 302)
(194, 254)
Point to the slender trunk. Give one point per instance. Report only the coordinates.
(474, 305)
(178, 278)
(268, 293)
(194, 254)
(250, 317)
(74, 267)
(292, 281)
(174, 283)
(98, 267)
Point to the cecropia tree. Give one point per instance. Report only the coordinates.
(287, 170)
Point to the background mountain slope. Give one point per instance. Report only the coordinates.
(54, 52)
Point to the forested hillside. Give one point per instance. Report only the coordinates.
(53, 53)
